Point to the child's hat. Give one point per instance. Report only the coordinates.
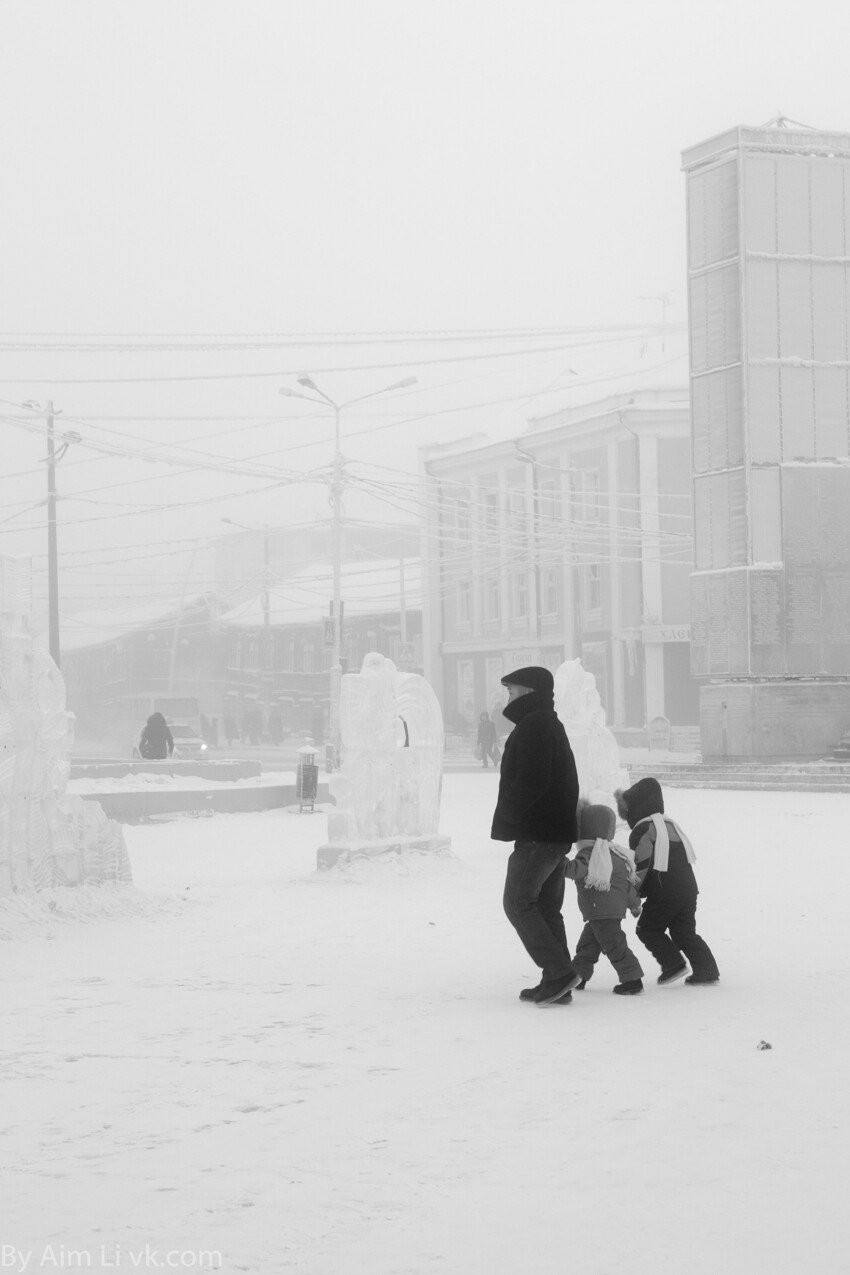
(596, 821)
(641, 800)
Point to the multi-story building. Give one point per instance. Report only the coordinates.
(572, 539)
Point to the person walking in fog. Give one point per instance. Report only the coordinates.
(536, 809)
(231, 730)
(156, 742)
(488, 744)
(663, 858)
(276, 726)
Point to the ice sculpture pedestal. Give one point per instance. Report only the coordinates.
(330, 855)
(387, 792)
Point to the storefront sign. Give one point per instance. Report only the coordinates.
(666, 633)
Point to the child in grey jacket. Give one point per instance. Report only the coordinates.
(605, 879)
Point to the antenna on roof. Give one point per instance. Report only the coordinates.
(665, 300)
(782, 121)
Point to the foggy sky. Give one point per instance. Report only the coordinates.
(289, 167)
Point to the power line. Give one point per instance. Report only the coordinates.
(240, 376)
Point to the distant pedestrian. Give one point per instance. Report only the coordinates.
(231, 730)
(254, 726)
(536, 809)
(666, 881)
(156, 742)
(606, 881)
(487, 744)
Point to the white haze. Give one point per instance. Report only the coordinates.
(327, 167)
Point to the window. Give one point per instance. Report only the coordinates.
(464, 602)
(550, 500)
(492, 599)
(592, 580)
(491, 510)
(519, 596)
(585, 495)
(516, 510)
(549, 592)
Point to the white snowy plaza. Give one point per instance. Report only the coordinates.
(331, 1074)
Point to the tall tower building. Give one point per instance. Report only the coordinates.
(768, 214)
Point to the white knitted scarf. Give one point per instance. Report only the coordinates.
(662, 840)
(600, 866)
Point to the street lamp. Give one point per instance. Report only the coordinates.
(332, 759)
(267, 640)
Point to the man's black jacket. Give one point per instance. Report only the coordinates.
(538, 788)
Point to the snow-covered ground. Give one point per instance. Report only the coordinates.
(332, 1074)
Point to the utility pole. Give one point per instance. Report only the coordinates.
(52, 458)
(402, 605)
(267, 631)
(335, 726)
(534, 540)
(52, 552)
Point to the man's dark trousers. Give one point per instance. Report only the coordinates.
(534, 895)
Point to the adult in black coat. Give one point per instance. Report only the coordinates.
(536, 809)
(156, 742)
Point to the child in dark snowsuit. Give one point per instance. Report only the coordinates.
(663, 858)
(605, 878)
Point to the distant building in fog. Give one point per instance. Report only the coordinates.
(571, 539)
(285, 665)
(241, 554)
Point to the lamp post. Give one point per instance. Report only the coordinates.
(319, 396)
(267, 635)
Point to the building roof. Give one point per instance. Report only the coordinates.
(367, 588)
(665, 374)
(97, 628)
(642, 380)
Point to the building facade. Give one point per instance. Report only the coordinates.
(768, 214)
(570, 540)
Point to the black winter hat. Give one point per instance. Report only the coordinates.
(534, 677)
(641, 800)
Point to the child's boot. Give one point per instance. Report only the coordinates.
(671, 975)
(631, 988)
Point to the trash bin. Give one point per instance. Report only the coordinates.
(307, 778)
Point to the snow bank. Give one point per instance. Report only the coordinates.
(31, 914)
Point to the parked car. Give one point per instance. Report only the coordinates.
(187, 741)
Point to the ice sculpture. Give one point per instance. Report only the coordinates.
(47, 838)
(597, 755)
(387, 791)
